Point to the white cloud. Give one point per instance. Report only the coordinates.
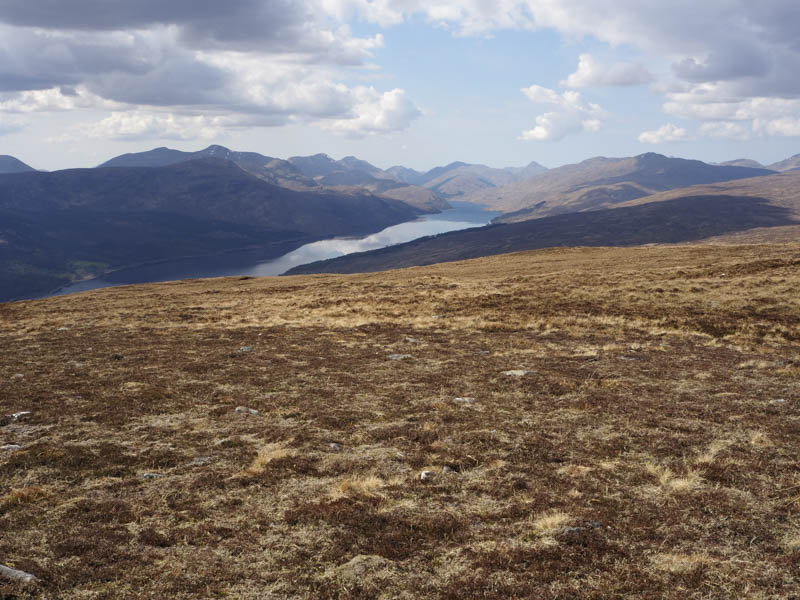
(137, 125)
(376, 112)
(186, 68)
(592, 73)
(665, 134)
(725, 130)
(571, 114)
(785, 126)
(746, 51)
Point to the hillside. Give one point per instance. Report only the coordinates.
(9, 164)
(602, 183)
(757, 210)
(590, 423)
(744, 162)
(318, 173)
(789, 164)
(61, 226)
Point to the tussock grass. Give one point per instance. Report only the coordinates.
(650, 449)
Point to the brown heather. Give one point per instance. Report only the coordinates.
(649, 450)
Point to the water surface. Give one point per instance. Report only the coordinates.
(252, 262)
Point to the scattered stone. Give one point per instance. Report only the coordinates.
(116, 356)
(201, 460)
(21, 415)
(245, 410)
(517, 373)
(464, 400)
(63, 329)
(11, 447)
(412, 340)
(335, 446)
(10, 573)
(356, 568)
(778, 401)
(426, 475)
(399, 356)
(448, 469)
(151, 475)
(484, 352)
(568, 530)
(17, 376)
(244, 349)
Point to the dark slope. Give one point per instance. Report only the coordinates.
(9, 164)
(56, 227)
(673, 221)
(316, 173)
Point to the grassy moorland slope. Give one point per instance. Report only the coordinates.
(593, 423)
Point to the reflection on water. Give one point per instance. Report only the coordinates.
(341, 246)
(253, 263)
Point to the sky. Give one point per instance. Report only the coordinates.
(406, 82)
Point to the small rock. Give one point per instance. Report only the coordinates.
(63, 329)
(778, 401)
(360, 566)
(21, 415)
(448, 469)
(426, 475)
(483, 352)
(517, 373)
(464, 400)
(201, 460)
(335, 446)
(151, 475)
(244, 349)
(399, 356)
(245, 410)
(412, 340)
(11, 447)
(17, 376)
(22, 576)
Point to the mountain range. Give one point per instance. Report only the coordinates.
(755, 210)
(164, 204)
(601, 183)
(307, 173)
(61, 226)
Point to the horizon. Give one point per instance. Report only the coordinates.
(399, 83)
(382, 167)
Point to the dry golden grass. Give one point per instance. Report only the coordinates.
(645, 445)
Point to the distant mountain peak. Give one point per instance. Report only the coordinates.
(10, 164)
(216, 149)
